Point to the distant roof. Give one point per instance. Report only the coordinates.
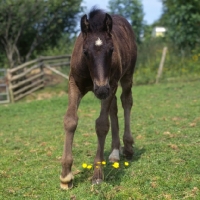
(160, 29)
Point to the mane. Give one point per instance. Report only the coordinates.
(96, 18)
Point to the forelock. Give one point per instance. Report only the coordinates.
(96, 19)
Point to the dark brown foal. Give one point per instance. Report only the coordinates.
(104, 55)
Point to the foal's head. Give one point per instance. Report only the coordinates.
(98, 49)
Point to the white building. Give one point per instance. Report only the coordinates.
(159, 31)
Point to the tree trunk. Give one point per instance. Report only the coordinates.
(13, 55)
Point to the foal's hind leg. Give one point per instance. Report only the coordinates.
(114, 156)
(127, 102)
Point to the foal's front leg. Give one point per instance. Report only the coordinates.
(70, 124)
(102, 128)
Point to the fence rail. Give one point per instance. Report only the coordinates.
(29, 77)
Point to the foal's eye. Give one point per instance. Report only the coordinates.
(85, 52)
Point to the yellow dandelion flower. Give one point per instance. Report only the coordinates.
(84, 165)
(126, 164)
(115, 165)
(103, 163)
(89, 167)
(99, 163)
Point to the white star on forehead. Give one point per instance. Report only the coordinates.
(98, 42)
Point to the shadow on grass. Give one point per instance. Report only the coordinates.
(138, 153)
(112, 176)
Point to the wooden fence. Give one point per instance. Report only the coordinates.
(29, 77)
(4, 92)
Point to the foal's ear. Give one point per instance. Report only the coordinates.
(108, 23)
(85, 26)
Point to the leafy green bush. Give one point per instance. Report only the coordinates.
(3, 61)
(177, 65)
(64, 46)
(149, 55)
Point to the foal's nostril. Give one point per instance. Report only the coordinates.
(96, 87)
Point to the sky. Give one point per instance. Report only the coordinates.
(152, 8)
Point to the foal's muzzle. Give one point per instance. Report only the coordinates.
(102, 92)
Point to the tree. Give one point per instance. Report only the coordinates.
(132, 11)
(29, 25)
(182, 19)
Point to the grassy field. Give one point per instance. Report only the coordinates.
(166, 127)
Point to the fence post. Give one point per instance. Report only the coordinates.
(9, 74)
(41, 64)
(160, 69)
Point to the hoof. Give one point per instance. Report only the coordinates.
(67, 182)
(97, 181)
(128, 154)
(113, 160)
(66, 186)
(114, 156)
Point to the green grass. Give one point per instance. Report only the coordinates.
(166, 127)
